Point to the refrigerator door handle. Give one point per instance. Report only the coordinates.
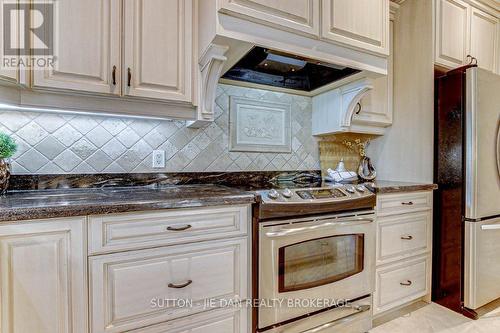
(498, 148)
(490, 227)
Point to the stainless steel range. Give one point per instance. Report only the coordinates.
(313, 251)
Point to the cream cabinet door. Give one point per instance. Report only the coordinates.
(43, 277)
(452, 32)
(362, 23)
(158, 49)
(295, 15)
(7, 74)
(86, 47)
(484, 39)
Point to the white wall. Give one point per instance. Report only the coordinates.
(405, 153)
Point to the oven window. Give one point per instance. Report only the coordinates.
(320, 261)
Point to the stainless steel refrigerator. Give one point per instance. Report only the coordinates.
(466, 254)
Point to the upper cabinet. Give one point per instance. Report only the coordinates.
(376, 109)
(158, 49)
(452, 25)
(296, 15)
(86, 47)
(364, 106)
(360, 23)
(134, 57)
(6, 74)
(484, 40)
(462, 29)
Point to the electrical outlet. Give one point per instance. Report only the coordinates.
(158, 159)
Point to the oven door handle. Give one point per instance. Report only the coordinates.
(359, 310)
(293, 231)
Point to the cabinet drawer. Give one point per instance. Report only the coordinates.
(392, 204)
(403, 236)
(130, 290)
(215, 321)
(121, 232)
(401, 283)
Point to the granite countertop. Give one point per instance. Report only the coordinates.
(41, 204)
(384, 187)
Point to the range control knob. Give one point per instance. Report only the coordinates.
(361, 189)
(273, 194)
(350, 189)
(287, 193)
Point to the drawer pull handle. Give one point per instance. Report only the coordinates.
(407, 237)
(189, 226)
(114, 75)
(406, 283)
(409, 203)
(180, 286)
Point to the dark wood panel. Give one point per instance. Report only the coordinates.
(447, 273)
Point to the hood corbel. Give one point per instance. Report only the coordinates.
(351, 95)
(211, 65)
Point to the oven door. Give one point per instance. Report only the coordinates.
(305, 264)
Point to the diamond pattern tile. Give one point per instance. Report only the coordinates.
(32, 160)
(50, 147)
(114, 148)
(67, 160)
(50, 122)
(99, 136)
(67, 135)
(66, 143)
(32, 133)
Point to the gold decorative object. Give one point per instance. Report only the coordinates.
(333, 149)
(358, 146)
(4, 175)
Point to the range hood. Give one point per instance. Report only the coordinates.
(267, 67)
(239, 51)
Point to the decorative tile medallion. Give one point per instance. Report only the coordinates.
(260, 126)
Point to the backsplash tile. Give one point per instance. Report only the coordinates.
(64, 143)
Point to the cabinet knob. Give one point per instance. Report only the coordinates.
(406, 237)
(129, 75)
(114, 75)
(409, 203)
(406, 283)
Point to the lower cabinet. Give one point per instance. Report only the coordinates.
(401, 283)
(43, 276)
(136, 289)
(166, 270)
(404, 247)
(50, 284)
